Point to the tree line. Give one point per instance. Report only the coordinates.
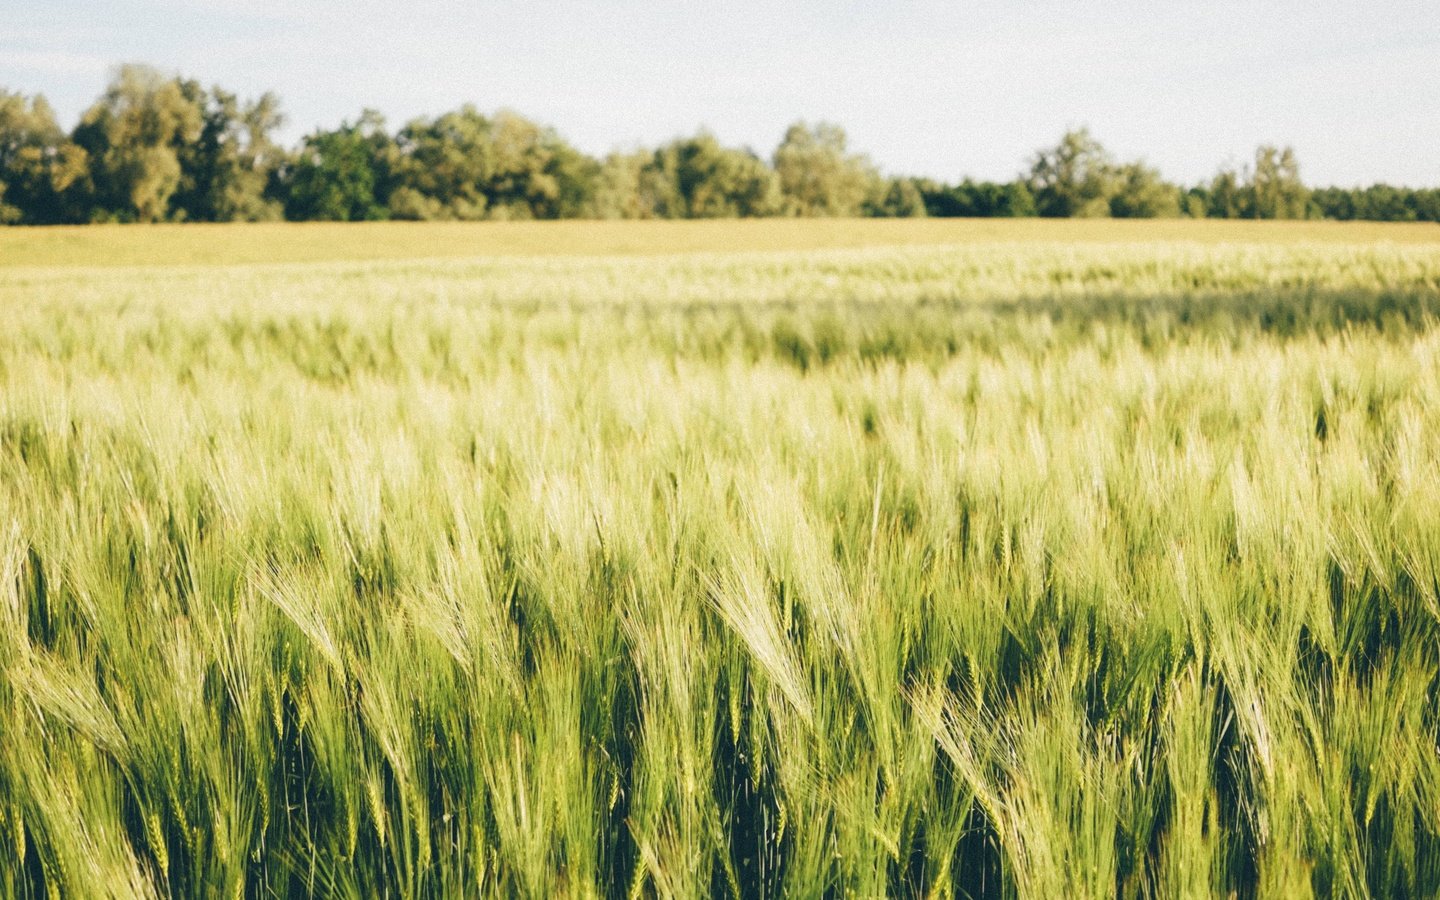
(157, 148)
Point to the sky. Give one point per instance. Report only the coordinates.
(940, 89)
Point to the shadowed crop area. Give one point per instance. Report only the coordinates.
(1008, 568)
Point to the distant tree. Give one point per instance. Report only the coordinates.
(1142, 194)
(1334, 203)
(976, 199)
(41, 171)
(697, 178)
(818, 176)
(938, 198)
(341, 175)
(537, 175)
(1426, 203)
(574, 173)
(134, 136)
(895, 198)
(444, 167)
(1076, 177)
(1275, 190)
(616, 192)
(27, 134)
(1018, 201)
(1195, 202)
(156, 147)
(1384, 203)
(465, 165)
(1227, 196)
(227, 170)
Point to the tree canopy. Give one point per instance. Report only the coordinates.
(818, 175)
(156, 147)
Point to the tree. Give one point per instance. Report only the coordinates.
(1377, 202)
(1426, 203)
(157, 147)
(1195, 202)
(1074, 178)
(976, 199)
(617, 188)
(895, 198)
(537, 174)
(1383, 203)
(818, 177)
(465, 165)
(133, 136)
(1227, 195)
(25, 136)
(341, 175)
(697, 178)
(1275, 190)
(1142, 194)
(226, 172)
(40, 169)
(444, 167)
(1017, 201)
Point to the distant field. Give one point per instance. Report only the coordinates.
(752, 559)
(320, 242)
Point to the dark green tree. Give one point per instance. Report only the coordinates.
(341, 175)
(226, 173)
(976, 199)
(1227, 196)
(1017, 201)
(1426, 203)
(43, 175)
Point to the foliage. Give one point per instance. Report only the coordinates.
(133, 137)
(1074, 178)
(623, 188)
(977, 199)
(1272, 189)
(341, 175)
(537, 174)
(39, 168)
(697, 178)
(1142, 194)
(157, 148)
(818, 175)
(1378, 202)
(226, 173)
(1276, 191)
(444, 167)
(895, 198)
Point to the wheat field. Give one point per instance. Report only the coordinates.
(779, 559)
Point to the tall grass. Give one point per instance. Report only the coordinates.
(1023, 570)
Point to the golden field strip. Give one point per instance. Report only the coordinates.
(120, 245)
(805, 559)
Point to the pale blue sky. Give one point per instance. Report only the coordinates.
(928, 88)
